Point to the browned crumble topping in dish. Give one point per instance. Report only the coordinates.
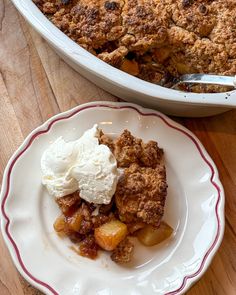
(137, 205)
(154, 40)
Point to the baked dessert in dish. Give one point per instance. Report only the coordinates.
(155, 40)
(138, 186)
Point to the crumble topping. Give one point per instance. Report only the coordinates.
(140, 195)
(154, 40)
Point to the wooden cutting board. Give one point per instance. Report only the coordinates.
(36, 84)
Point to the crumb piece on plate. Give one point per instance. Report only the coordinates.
(88, 247)
(67, 202)
(123, 253)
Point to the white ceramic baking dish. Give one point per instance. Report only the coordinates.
(119, 83)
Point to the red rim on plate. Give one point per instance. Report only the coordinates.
(163, 118)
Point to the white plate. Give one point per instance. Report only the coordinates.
(119, 83)
(195, 209)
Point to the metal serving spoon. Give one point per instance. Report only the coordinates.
(207, 79)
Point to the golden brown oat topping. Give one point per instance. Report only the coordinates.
(140, 195)
(115, 57)
(141, 22)
(88, 247)
(165, 38)
(104, 139)
(91, 23)
(128, 150)
(141, 190)
(67, 202)
(123, 252)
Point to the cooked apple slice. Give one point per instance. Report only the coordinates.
(59, 224)
(150, 236)
(130, 67)
(110, 234)
(74, 222)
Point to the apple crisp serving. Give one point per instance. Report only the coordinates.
(156, 40)
(136, 208)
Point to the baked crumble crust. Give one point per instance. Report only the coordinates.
(128, 150)
(163, 39)
(123, 252)
(140, 195)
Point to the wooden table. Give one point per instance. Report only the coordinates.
(35, 84)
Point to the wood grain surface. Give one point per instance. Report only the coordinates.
(36, 84)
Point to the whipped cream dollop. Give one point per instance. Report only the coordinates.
(83, 165)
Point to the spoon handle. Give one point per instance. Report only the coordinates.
(209, 79)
